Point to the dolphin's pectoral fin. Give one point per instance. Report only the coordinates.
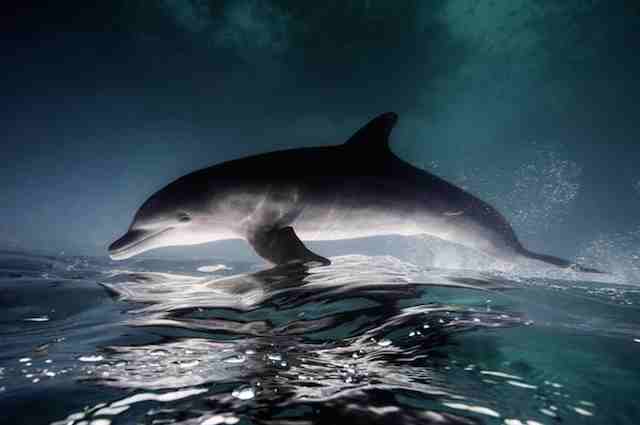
(282, 246)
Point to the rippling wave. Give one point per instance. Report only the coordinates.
(367, 340)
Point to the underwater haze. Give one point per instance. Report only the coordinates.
(531, 105)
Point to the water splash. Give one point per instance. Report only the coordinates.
(618, 253)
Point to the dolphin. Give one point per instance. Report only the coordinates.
(356, 189)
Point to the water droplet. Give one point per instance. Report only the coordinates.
(476, 409)
(90, 358)
(110, 411)
(37, 319)
(522, 385)
(499, 374)
(220, 419)
(24, 360)
(548, 412)
(385, 342)
(75, 416)
(244, 393)
(276, 357)
(582, 411)
(214, 268)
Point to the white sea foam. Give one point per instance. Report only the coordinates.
(475, 409)
(214, 268)
(164, 397)
(499, 374)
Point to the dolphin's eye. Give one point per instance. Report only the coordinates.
(184, 218)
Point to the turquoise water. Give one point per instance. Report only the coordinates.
(366, 340)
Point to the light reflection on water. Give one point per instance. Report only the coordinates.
(370, 340)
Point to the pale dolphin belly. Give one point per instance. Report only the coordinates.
(374, 206)
(339, 224)
(367, 206)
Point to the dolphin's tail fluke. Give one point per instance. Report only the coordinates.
(560, 262)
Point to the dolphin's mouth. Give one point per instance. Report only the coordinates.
(134, 242)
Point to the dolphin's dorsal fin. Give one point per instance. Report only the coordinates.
(375, 134)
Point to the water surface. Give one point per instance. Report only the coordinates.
(371, 340)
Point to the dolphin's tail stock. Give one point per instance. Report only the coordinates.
(560, 262)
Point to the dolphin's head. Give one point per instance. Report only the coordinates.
(179, 214)
(155, 225)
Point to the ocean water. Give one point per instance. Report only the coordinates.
(367, 340)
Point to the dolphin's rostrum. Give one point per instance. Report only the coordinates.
(356, 189)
